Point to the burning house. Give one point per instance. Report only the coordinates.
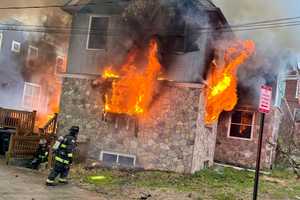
(28, 66)
(238, 130)
(135, 81)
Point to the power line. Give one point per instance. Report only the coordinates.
(280, 22)
(44, 6)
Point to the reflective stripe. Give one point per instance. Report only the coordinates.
(46, 153)
(63, 146)
(61, 160)
(70, 155)
(62, 180)
(49, 181)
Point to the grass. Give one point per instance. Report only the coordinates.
(217, 183)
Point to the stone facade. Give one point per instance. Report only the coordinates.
(171, 136)
(242, 152)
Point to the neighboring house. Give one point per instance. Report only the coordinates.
(173, 136)
(238, 131)
(27, 69)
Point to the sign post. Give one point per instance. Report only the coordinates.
(264, 107)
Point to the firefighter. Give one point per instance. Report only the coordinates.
(41, 155)
(63, 156)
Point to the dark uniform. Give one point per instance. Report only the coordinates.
(41, 154)
(63, 156)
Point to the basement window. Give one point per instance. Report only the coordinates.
(240, 125)
(112, 158)
(31, 96)
(97, 35)
(16, 46)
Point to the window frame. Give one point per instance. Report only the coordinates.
(252, 125)
(297, 95)
(118, 155)
(1, 39)
(89, 31)
(29, 50)
(13, 45)
(295, 111)
(56, 64)
(24, 94)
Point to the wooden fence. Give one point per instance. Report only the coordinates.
(22, 121)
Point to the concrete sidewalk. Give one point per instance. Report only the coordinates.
(24, 184)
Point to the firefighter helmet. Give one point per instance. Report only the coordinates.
(74, 130)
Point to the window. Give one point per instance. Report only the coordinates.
(241, 123)
(33, 52)
(1, 40)
(298, 89)
(16, 46)
(60, 66)
(31, 96)
(297, 114)
(111, 158)
(97, 35)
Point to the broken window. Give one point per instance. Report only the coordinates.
(241, 124)
(97, 35)
(31, 96)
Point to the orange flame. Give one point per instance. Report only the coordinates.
(132, 92)
(221, 92)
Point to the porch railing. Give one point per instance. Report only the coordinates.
(23, 121)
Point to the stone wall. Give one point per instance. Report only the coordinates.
(244, 152)
(171, 136)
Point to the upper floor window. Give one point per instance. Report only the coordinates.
(298, 89)
(1, 40)
(31, 96)
(33, 52)
(241, 125)
(16, 46)
(97, 35)
(297, 114)
(60, 66)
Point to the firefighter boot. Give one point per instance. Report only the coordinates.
(50, 182)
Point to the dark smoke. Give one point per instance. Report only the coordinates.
(169, 21)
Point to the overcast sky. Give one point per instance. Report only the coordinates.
(241, 11)
(236, 11)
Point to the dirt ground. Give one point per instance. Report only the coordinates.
(24, 184)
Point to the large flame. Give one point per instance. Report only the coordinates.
(133, 88)
(221, 92)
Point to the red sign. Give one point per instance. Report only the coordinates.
(265, 99)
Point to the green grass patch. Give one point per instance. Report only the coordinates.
(216, 183)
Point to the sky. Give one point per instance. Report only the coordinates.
(243, 11)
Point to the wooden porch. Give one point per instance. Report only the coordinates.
(24, 141)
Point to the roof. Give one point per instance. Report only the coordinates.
(77, 5)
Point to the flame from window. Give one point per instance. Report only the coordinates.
(221, 91)
(133, 88)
